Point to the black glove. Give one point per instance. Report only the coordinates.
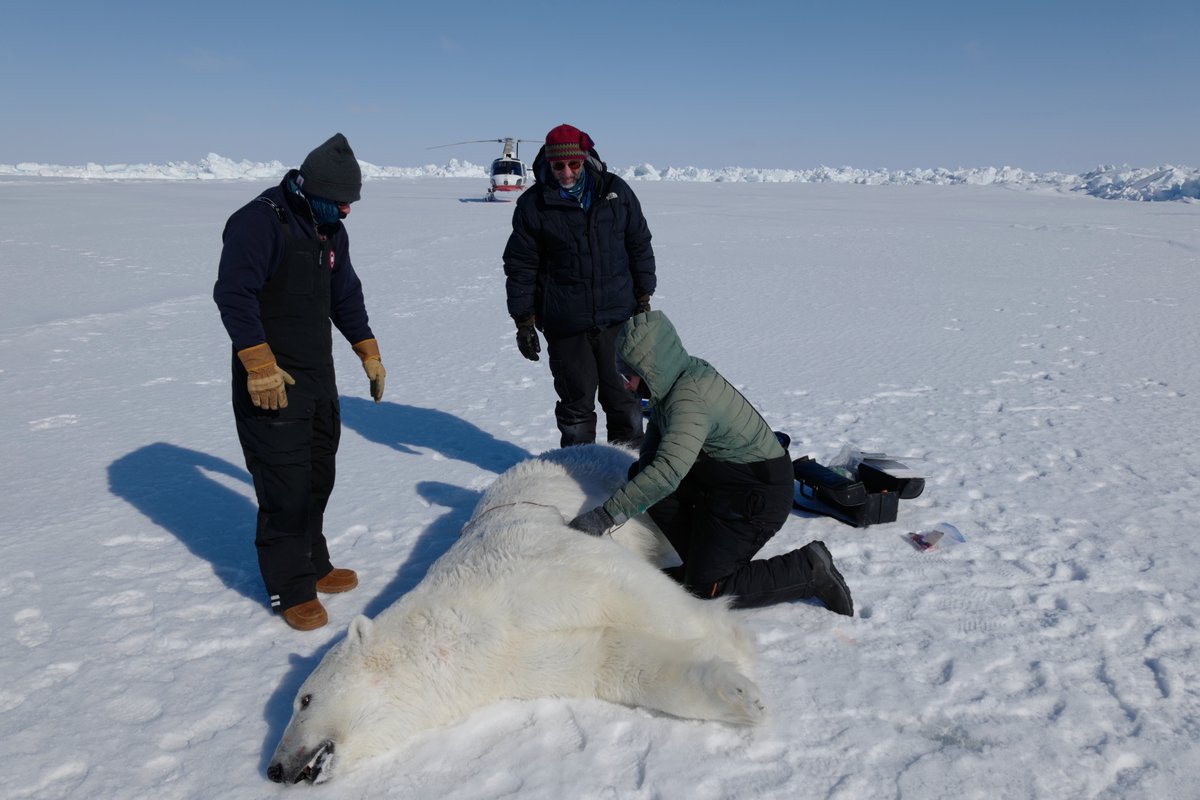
(643, 304)
(527, 339)
(596, 522)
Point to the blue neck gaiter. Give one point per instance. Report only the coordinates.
(581, 192)
(324, 211)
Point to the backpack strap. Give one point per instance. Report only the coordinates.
(278, 211)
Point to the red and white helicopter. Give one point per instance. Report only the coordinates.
(509, 174)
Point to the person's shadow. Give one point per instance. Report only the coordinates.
(168, 484)
(404, 427)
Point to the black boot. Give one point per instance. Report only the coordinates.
(798, 575)
(828, 585)
(577, 433)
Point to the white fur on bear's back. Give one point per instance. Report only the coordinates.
(568, 479)
(517, 560)
(573, 480)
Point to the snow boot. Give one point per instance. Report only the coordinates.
(338, 580)
(306, 616)
(828, 585)
(577, 433)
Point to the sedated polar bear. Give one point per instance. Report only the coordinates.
(523, 607)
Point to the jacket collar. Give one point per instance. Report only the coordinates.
(302, 213)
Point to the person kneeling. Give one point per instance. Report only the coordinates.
(714, 477)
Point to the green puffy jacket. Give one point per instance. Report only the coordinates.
(693, 410)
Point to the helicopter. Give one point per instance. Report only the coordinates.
(509, 174)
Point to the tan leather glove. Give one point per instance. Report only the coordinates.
(264, 379)
(368, 351)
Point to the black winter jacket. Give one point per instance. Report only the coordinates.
(253, 244)
(577, 270)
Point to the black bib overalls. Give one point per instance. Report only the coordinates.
(291, 453)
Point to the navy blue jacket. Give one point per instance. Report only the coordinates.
(254, 240)
(577, 270)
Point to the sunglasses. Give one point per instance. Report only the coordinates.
(628, 377)
(559, 166)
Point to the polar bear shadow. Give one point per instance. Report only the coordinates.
(521, 606)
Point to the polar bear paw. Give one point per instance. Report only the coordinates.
(729, 695)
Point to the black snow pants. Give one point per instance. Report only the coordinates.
(291, 456)
(581, 364)
(719, 517)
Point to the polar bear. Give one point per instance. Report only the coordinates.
(523, 607)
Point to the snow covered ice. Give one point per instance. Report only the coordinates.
(1128, 183)
(1029, 347)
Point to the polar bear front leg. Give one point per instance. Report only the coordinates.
(641, 669)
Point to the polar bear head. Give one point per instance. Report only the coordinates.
(336, 711)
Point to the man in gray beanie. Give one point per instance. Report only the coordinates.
(285, 275)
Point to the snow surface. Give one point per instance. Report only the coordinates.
(1032, 352)
(1109, 182)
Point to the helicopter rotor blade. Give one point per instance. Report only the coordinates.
(469, 141)
(477, 141)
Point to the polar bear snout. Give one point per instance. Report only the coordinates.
(313, 766)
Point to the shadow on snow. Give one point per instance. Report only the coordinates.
(404, 427)
(170, 486)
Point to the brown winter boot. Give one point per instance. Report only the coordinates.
(338, 580)
(306, 616)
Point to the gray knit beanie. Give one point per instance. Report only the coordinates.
(331, 172)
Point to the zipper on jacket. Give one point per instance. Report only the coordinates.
(593, 253)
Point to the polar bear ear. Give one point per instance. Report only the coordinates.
(361, 631)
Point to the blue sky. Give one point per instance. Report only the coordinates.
(1040, 85)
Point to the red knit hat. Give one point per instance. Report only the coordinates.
(567, 143)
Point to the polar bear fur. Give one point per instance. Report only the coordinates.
(523, 607)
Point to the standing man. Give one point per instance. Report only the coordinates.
(285, 273)
(578, 264)
(714, 478)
